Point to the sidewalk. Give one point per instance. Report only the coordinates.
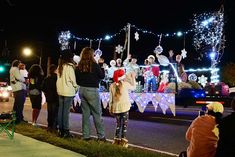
(23, 146)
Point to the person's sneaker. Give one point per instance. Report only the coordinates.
(61, 133)
(67, 134)
(101, 139)
(124, 142)
(35, 125)
(24, 121)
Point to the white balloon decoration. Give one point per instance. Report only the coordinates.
(163, 60)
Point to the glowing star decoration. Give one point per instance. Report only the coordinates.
(64, 38)
(119, 49)
(183, 53)
(202, 80)
(192, 77)
(158, 49)
(136, 36)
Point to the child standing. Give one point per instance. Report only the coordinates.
(119, 104)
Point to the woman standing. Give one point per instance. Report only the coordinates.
(35, 93)
(89, 74)
(66, 88)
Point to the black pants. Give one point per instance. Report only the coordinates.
(121, 124)
(19, 104)
(52, 114)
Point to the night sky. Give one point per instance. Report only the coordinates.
(39, 22)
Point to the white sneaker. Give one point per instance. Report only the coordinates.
(35, 124)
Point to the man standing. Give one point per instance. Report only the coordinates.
(17, 82)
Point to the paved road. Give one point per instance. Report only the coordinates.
(161, 132)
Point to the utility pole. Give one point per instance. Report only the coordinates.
(129, 35)
(40, 57)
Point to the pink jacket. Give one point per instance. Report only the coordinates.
(203, 141)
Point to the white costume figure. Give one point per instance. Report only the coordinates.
(119, 62)
(131, 66)
(111, 69)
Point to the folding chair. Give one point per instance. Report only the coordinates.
(7, 124)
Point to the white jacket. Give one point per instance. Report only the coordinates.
(66, 84)
(17, 81)
(123, 104)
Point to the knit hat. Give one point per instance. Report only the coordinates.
(215, 107)
(118, 75)
(151, 56)
(112, 62)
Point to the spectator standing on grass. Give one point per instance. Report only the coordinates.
(66, 88)
(17, 82)
(35, 77)
(119, 104)
(35, 91)
(89, 74)
(49, 88)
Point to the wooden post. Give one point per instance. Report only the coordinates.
(48, 65)
(129, 35)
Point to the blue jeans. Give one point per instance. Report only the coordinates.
(90, 103)
(64, 110)
(152, 84)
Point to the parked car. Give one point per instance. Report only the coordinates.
(5, 91)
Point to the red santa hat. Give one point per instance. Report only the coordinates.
(118, 75)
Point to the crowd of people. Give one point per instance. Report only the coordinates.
(209, 134)
(60, 87)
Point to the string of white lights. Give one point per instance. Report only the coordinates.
(65, 36)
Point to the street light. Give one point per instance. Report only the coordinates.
(28, 52)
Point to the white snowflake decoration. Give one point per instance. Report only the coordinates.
(119, 49)
(192, 77)
(183, 53)
(202, 80)
(64, 38)
(137, 36)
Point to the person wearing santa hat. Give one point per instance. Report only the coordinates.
(119, 104)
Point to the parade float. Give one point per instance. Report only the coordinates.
(197, 86)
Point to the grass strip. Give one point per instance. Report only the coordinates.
(87, 148)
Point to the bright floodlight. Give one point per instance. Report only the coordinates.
(179, 34)
(212, 55)
(27, 51)
(107, 37)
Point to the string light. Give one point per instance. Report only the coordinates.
(66, 35)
